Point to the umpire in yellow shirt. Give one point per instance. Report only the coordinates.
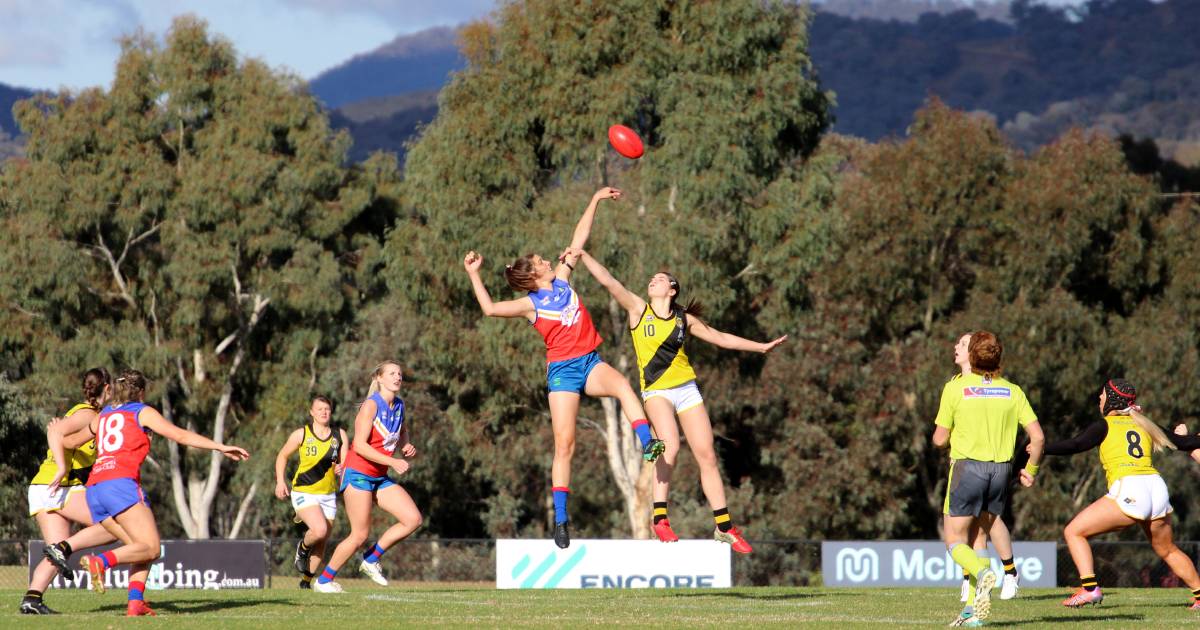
(977, 419)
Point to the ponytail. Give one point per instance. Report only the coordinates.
(94, 382)
(1157, 435)
(520, 275)
(693, 306)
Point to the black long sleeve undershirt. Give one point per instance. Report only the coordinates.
(1094, 434)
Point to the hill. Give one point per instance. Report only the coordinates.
(419, 62)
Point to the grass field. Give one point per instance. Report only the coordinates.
(481, 606)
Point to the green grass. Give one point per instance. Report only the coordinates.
(481, 606)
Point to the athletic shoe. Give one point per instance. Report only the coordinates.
(327, 587)
(300, 560)
(306, 585)
(653, 449)
(1195, 605)
(35, 607)
(95, 568)
(562, 537)
(1010, 586)
(966, 620)
(371, 570)
(59, 559)
(984, 583)
(1083, 597)
(965, 592)
(138, 608)
(663, 530)
(734, 538)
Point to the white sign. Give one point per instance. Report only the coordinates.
(594, 563)
(920, 563)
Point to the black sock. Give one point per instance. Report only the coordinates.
(65, 547)
(660, 511)
(1089, 582)
(33, 596)
(1010, 567)
(1196, 595)
(721, 516)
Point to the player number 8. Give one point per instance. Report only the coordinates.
(112, 438)
(1135, 444)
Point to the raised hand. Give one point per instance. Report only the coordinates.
(608, 192)
(472, 262)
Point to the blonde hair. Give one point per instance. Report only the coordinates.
(374, 388)
(1159, 437)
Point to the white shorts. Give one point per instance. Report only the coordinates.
(1141, 497)
(682, 397)
(328, 502)
(42, 500)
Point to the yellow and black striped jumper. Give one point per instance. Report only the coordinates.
(81, 460)
(315, 474)
(658, 343)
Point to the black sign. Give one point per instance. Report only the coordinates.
(203, 564)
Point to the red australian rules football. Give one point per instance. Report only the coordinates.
(625, 141)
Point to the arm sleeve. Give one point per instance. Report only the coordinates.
(1183, 442)
(1025, 411)
(1088, 439)
(945, 416)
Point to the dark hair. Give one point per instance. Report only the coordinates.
(693, 307)
(322, 399)
(94, 382)
(985, 353)
(129, 386)
(1118, 394)
(520, 274)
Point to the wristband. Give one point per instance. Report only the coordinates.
(1032, 469)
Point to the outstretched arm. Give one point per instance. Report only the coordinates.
(632, 304)
(510, 308)
(151, 419)
(583, 229)
(726, 340)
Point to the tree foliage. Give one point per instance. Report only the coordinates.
(196, 222)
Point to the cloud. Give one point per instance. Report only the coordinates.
(405, 16)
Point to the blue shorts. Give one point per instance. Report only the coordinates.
(571, 375)
(364, 482)
(109, 498)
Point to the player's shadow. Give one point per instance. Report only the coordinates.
(191, 606)
(1045, 596)
(1068, 619)
(763, 597)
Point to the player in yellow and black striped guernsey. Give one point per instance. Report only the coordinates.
(55, 509)
(660, 327)
(322, 450)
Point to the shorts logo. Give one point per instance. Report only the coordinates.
(987, 392)
(1130, 500)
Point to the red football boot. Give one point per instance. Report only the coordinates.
(663, 530)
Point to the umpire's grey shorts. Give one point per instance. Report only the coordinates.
(976, 486)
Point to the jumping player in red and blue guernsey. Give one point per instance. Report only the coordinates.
(379, 431)
(573, 367)
(114, 489)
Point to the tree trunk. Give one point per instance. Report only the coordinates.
(633, 478)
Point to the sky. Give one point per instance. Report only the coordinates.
(52, 44)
